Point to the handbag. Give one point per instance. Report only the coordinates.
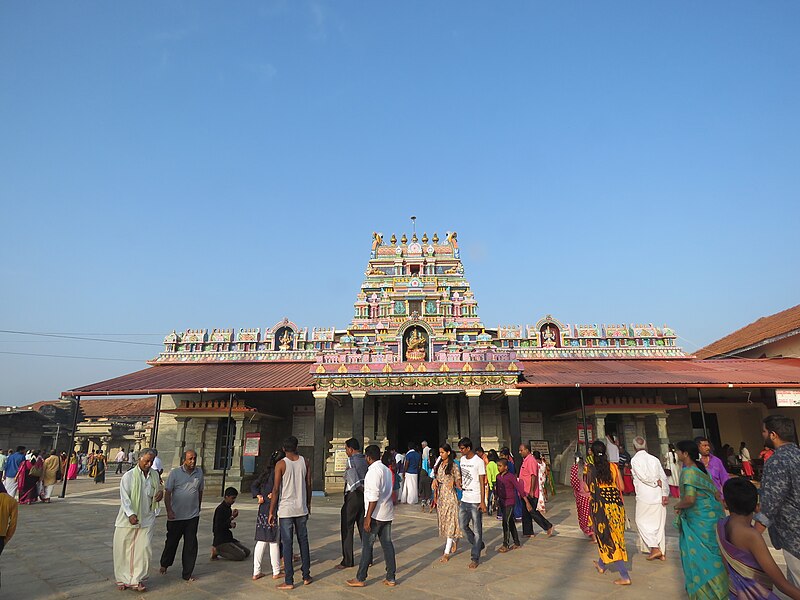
(59, 475)
(35, 472)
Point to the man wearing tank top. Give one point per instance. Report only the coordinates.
(293, 478)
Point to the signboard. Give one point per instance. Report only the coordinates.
(543, 446)
(580, 432)
(252, 442)
(339, 460)
(788, 398)
(303, 425)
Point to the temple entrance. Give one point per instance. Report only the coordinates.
(416, 418)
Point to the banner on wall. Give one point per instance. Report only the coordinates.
(787, 398)
(580, 433)
(252, 442)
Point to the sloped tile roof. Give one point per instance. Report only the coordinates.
(755, 333)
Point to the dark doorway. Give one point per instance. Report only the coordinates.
(415, 419)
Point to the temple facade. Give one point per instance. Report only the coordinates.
(416, 363)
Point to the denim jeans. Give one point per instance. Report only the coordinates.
(467, 512)
(288, 526)
(381, 530)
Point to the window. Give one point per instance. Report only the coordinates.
(415, 306)
(223, 453)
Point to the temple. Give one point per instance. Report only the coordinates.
(416, 363)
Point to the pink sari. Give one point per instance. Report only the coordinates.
(26, 484)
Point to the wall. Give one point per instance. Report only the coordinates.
(787, 347)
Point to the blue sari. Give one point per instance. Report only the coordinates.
(703, 568)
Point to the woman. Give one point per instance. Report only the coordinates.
(99, 468)
(447, 478)
(491, 477)
(581, 491)
(26, 482)
(744, 456)
(266, 534)
(72, 472)
(607, 513)
(672, 467)
(698, 511)
(543, 470)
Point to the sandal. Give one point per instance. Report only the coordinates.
(503, 549)
(445, 558)
(122, 587)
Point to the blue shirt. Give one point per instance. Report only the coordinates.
(413, 459)
(13, 463)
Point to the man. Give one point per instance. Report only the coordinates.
(50, 475)
(224, 544)
(652, 492)
(12, 466)
(293, 479)
(473, 501)
(529, 476)
(353, 507)
(120, 459)
(183, 496)
(157, 466)
(411, 466)
(140, 491)
(3, 458)
(780, 493)
(378, 518)
(612, 449)
(426, 456)
(714, 466)
(131, 458)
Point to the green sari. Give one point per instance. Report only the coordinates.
(703, 568)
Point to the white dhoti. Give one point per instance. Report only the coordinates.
(651, 520)
(10, 484)
(409, 493)
(132, 554)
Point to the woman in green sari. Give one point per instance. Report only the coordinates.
(698, 511)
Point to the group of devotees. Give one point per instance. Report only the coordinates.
(722, 556)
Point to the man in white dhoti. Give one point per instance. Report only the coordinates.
(409, 492)
(652, 492)
(140, 492)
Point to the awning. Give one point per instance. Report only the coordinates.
(197, 378)
(621, 373)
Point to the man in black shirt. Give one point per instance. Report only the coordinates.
(224, 544)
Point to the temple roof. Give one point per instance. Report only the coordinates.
(758, 333)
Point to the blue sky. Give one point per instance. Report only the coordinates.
(193, 164)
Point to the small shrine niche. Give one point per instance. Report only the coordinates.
(284, 339)
(415, 344)
(550, 335)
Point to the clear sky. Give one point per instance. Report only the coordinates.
(194, 164)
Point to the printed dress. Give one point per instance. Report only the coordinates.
(447, 502)
(581, 498)
(607, 516)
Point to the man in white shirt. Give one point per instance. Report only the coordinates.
(378, 518)
(120, 460)
(473, 502)
(652, 492)
(612, 450)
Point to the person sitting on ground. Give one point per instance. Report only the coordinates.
(751, 568)
(224, 545)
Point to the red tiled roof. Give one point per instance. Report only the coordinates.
(777, 372)
(129, 407)
(755, 333)
(195, 378)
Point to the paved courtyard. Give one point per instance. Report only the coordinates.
(63, 550)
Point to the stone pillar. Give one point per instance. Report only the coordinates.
(180, 441)
(514, 426)
(235, 472)
(382, 407)
(453, 433)
(663, 437)
(105, 441)
(320, 443)
(474, 405)
(599, 422)
(358, 415)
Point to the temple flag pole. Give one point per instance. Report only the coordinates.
(71, 448)
(156, 419)
(227, 445)
(702, 412)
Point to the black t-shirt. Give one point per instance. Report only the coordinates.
(222, 524)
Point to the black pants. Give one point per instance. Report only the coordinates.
(534, 515)
(509, 526)
(175, 531)
(119, 468)
(352, 514)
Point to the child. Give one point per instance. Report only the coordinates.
(425, 491)
(507, 489)
(751, 568)
(224, 545)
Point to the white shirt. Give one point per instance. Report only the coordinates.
(378, 488)
(120, 456)
(612, 451)
(471, 470)
(647, 472)
(426, 453)
(146, 516)
(157, 464)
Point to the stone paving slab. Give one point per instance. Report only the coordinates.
(63, 550)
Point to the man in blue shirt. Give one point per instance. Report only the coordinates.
(12, 466)
(411, 464)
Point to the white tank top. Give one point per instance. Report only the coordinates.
(292, 502)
